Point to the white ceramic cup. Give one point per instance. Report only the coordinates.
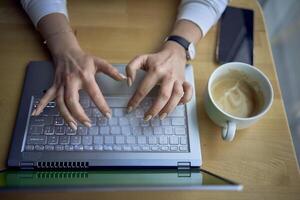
(229, 123)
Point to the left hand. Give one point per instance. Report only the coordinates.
(167, 68)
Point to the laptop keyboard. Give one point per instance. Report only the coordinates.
(124, 132)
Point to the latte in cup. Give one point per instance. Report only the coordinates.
(237, 95)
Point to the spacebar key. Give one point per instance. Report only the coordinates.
(117, 101)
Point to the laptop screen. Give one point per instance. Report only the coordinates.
(139, 179)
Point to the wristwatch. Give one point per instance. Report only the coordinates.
(189, 47)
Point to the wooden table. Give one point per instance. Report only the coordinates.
(261, 158)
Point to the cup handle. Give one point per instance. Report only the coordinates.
(228, 131)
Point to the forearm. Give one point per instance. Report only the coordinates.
(57, 33)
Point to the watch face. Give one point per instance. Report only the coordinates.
(191, 51)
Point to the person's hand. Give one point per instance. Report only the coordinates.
(167, 68)
(75, 70)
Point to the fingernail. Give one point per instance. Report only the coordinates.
(123, 76)
(88, 124)
(129, 109)
(73, 125)
(108, 115)
(33, 112)
(163, 116)
(129, 81)
(148, 117)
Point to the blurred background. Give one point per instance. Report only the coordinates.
(283, 24)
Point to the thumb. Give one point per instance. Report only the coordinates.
(135, 64)
(108, 69)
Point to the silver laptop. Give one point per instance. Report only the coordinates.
(125, 140)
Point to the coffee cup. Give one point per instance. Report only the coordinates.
(237, 96)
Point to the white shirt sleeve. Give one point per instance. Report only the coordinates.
(36, 9)
(204, 13)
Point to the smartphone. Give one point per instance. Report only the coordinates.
(235, 38)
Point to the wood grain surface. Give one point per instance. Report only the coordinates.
(261, 157)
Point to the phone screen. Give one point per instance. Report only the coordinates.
(235, 41)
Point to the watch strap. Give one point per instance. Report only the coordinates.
(180, 40)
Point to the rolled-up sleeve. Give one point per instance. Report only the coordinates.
(204, 13)
(36, 9)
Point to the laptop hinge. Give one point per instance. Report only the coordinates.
(184, 169)
(26, 165)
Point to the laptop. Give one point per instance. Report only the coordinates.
(124, 141)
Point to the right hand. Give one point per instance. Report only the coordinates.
(75, 70)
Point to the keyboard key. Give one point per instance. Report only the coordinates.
(119, 112)
(70, 131)
(93, 121)
(178, 111)
(88, 111)
(183, 148)
(113, 121)
(120, 140)
(174, 148)
(144, 123)
(163, 140)
(64, 139)
(75, 139)
(155, 122)
(52, 139)
(117, 148)
(134, 121)
(98, 147)
(127, 148)
(157, 130)
(130, 140)
(165, 148)
(141, 140)
(29, 147)
(126, 130)
(168, 130)
(178, 121)
(88, 147)
(87, 140)
(36, 139)
(58, 121)
(78, 147)
(174, 140)
(93, 130)
(85, 102)
(81, 130)
(155, 148)
(115, 130)
(152, 140)
(107, 148)
(108, 140)
(183, 140)
(139, 113)
(98, 139)
(104, 130)
(145, 148)
(96, 112)
(59, 130)
(102, 121)
(58, 147)
(166, 122)
(123, 121)
(147, 131)
(136, 148)
(36, 130)
(69, 148)
(179, 130)
(41, 120)
(39, 147)
(136, 130)
(48, 130)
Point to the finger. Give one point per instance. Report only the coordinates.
(48, 96)
(162, 99)
(188, 93)
(108, 69)
(177, 93)
(135, 64)
(95, 93)
(72, 101)
(64, 110)
(147, 84)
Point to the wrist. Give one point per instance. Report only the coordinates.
(62, 42)
(175, 49)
